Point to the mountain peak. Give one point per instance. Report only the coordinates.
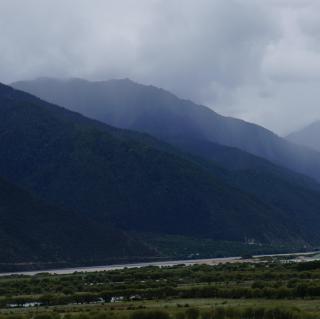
(307, 136)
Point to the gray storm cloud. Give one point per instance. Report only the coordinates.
(257, 60)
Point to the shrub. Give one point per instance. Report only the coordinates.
(152, 314)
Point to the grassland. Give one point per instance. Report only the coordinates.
(272, 289)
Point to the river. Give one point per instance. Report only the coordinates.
(209, 261)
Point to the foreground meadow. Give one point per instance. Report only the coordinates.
(266, 289)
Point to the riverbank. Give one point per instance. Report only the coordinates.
(299, 256)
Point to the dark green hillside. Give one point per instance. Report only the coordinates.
(31, 231)
(280, 188)
(91, 168)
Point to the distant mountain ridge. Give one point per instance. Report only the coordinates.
(120, 185)
(308, 136)
(125, 104)
(139, 184)
(113, 177)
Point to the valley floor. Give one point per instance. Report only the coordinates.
(276, 287)
(298, 257)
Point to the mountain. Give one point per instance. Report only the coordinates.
(32, 231)
(308, 136)
(128, 105)
(83, 165)
(132, 181)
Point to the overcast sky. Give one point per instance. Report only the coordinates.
(258, 60)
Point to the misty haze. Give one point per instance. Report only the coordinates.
(159, 159)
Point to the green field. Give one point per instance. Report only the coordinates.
(270, 289)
